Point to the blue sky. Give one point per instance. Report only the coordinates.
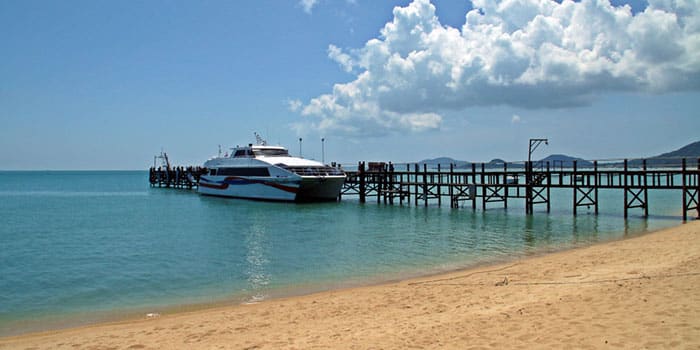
(107, 84)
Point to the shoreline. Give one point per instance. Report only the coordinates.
(462, 303)
(82, 319)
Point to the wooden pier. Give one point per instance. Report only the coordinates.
(483, 184)
(531, 181)
(168, 176)
(175, 177)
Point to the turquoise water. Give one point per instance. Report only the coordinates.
(82, 247)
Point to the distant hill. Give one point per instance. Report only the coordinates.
(691, 152)
(561, 160)
(497, 163)
(688, 151)
(444, 162)
(558, 159)
(674, 158)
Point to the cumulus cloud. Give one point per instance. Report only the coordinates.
(307, 5)
(522, 53)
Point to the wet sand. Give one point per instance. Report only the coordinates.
(642, 292)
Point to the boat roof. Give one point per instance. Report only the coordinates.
(251, 146)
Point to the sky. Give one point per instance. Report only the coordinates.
(106, 85)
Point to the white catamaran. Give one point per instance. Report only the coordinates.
(270, 173)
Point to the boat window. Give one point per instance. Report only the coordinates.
(212, 172)
(314, 170)
(271, 152)
(239, 153)
(254, 171)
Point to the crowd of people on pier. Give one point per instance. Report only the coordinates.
(178, 177)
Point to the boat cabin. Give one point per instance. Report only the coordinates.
(256, 151)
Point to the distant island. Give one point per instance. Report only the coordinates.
(691, 152)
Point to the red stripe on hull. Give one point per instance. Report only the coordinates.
(224, 185)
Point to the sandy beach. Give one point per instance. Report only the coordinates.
(635, 293)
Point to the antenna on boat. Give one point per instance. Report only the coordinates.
(259, 140)
(219, 151)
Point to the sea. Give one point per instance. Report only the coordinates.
(81, 247)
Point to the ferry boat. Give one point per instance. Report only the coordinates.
(268, 172)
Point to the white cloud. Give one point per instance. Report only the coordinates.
(343, 59)
(515, 119)
(294, 105)
(522, 53)
(307, 5)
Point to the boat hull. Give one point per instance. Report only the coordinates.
(247, 187)
(275, 189)
(320, 188)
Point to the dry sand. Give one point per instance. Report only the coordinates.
(636, 293)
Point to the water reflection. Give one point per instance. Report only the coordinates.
(257, 252)
(239, 247)
(529, 233)
(536, 230)
(268, 246)
(633, 226)
(584, 228)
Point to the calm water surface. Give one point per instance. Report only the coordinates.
(81, 247)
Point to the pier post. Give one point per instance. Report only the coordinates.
(529, 205)
(685, 190)
(646, 189)
(425, 184)
(408, 182)
(575, 183)
(697, 189)
(439, 179)
(473, 195)
(505, 185)
(597, 183)
(380, 182)
(626, 189)
(483, 187)
(361, 178)
(549, 186)
(450, 188)
(415, 185)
